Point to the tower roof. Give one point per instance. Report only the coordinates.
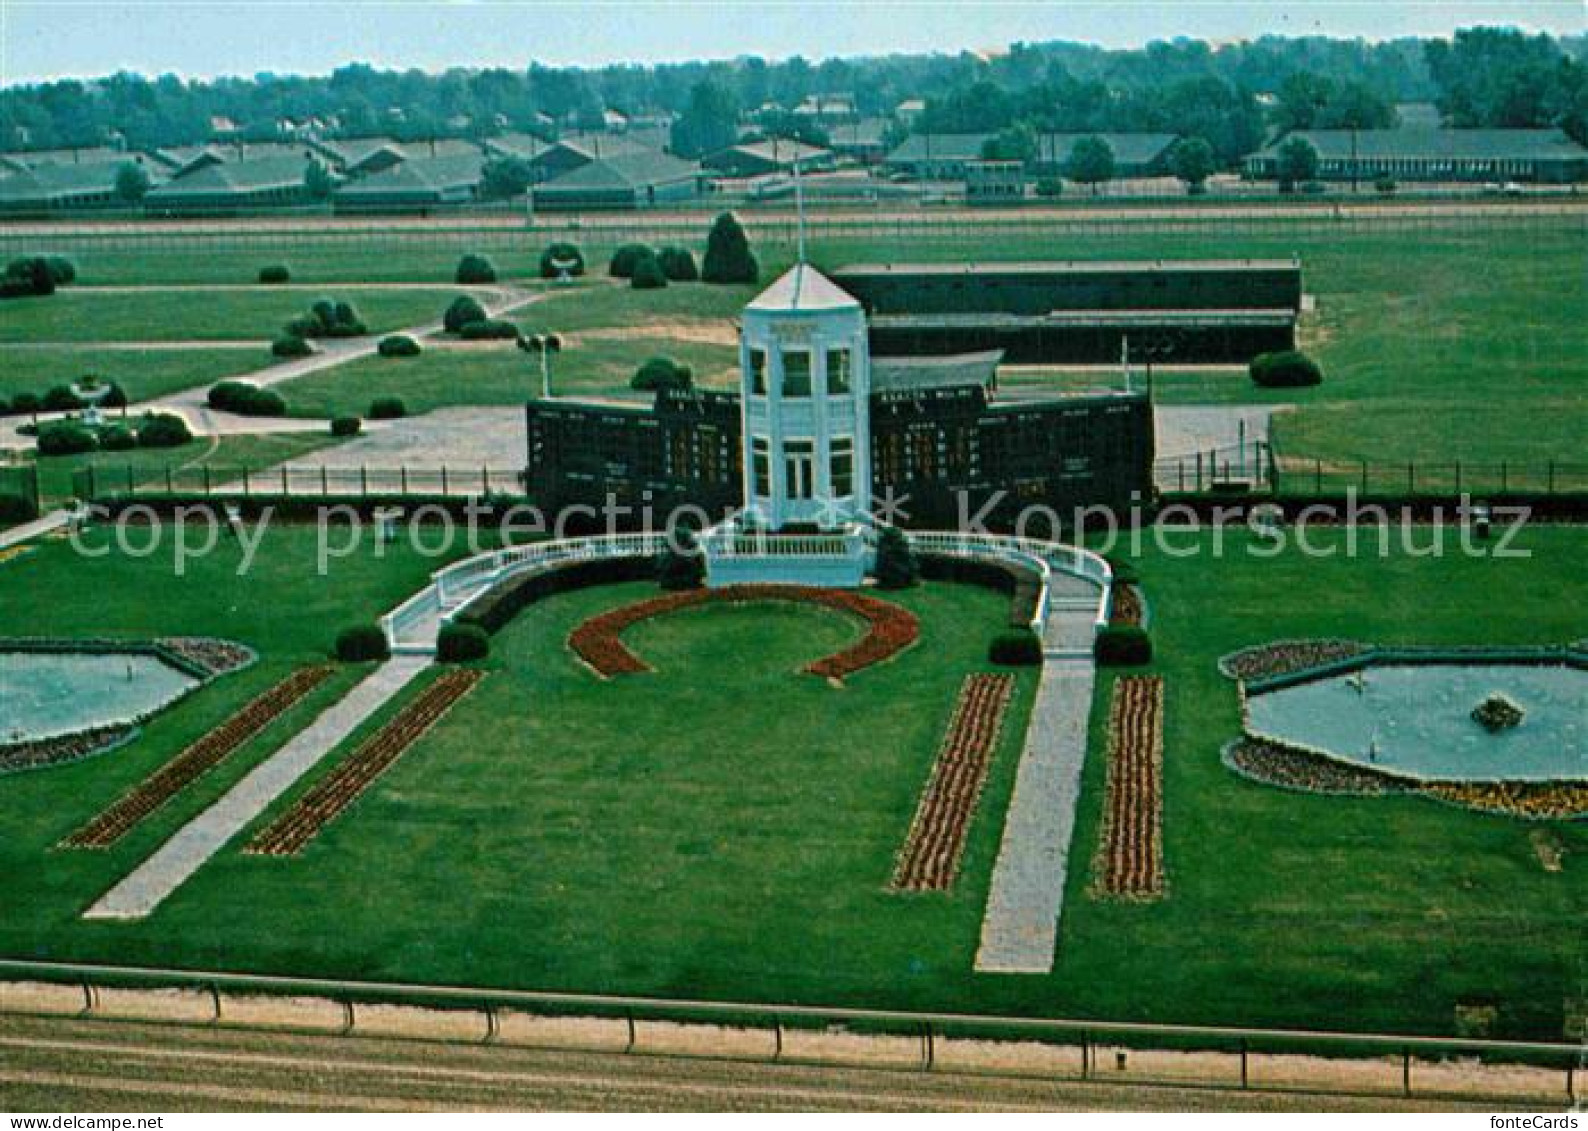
(803, 288)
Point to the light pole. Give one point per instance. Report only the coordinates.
(544, 345)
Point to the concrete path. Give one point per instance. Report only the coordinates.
(201, 838)
(1019, 931)
(28, 531)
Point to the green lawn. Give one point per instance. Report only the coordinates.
(81, 315)
(726, 827)
(498, 374)
(310, 260)
(144, 374)
(225, 454)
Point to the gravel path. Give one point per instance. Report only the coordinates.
(1020, 928)
(201, 838)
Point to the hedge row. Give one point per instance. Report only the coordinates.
(496, 608)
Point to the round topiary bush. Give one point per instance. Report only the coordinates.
(624, 259)
(25, 403)
(648, 274)
(678, 264)
(463, 310)
(1123, 645)
(246, 399)
(362, 642)
(1286, 369)
(118, 438)
(1018, 647)
(291, 345)
(896, 567)
(560, 258)
(728, 256)
(275, 273)
(60, 398)
(6, 408)
(661, 373)
(398, 345)
(17, 508)
(475, 269)
(345, 426)
(65, 438)
(458, 643)
(62, 270)
(163, 430)
(115, 397)
(387, 408)
(489, 330)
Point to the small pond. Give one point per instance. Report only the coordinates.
(45, 694)
(1416, 720)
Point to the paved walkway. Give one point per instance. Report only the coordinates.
(28, 531)
(1019, 930)
(201, 838)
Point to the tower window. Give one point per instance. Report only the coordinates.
(797, 373)
(843, 467)
(837, 373)
(758, 373)
(761, 467)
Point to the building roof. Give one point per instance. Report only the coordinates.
(938, 147)
(88, 155)
(514, 144)
(1129, 148)
(236, 177)
(1068, 267)
(419, 176)
(1423, 143)
(862, 132)
(891, 374)
(803, 288)
(634, 168)
(782, 151)
(54, 182)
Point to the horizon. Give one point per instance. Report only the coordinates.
(48, 42)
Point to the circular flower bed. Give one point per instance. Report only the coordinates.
(889, 628)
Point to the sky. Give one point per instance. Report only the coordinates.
(45, 39)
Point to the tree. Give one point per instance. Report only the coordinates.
(132, 182)
(318, 182)
(1296, 163)
(710, 122)
(728, 256)
(661, 373)
(896, 567)
(1091, 162)
(503, 178)
(463, 310)
(1192, 162)
(1012, 143)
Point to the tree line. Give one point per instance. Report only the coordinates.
(1228, 94)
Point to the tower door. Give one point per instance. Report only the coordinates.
(799, 468)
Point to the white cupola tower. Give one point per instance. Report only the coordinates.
(806, 384)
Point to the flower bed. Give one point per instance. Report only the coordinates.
(198, 759)
(216, 657)
(1288, 767)
(37, 753)
(929, 860)
(1285, 656)
(1129, 862)
(889, 628)
(333, 794)
(1127, 608)
(1545, 801)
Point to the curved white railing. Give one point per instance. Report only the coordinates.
(413, 624)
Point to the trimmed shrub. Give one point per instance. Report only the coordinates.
(489, 330)
(1050, 187)
(5, 407)
(1385, 185)
(24, 404)
(728, 256)
(65, 438)
(1123, 645)
(678, 264)
(118, 438)
(896, 566)
(625, 258)
(291, 345)
(387, 408)
(345, 426)
(362, 642)
(116, 397)
(682, 566)
(275, 273)
(246, 399)
(1286, 369)
(163, 430)
(398, 345)
(458, 643)
(17, 508)
(559, 257)
(475, 269)
(60, 398)
(464, 309)
(328, 318)
(648, 274)
(661, 373)
(495, 608)
(1017, 647)
(62, 270)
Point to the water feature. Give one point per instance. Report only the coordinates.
(1416, 719)
(46, 694)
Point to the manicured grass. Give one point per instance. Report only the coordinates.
(497, 374)
(310, 259)
(144, 374)
(226, 454)
(170, 316)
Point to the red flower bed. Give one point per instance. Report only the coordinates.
(1130, 856)
(1126, 608)
(889, 629)
(288, 833)
(930, 858)
(197, 760)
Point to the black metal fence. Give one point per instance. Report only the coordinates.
(104, 482)
(1409, 478)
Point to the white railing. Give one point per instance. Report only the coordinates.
(1045, 556)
